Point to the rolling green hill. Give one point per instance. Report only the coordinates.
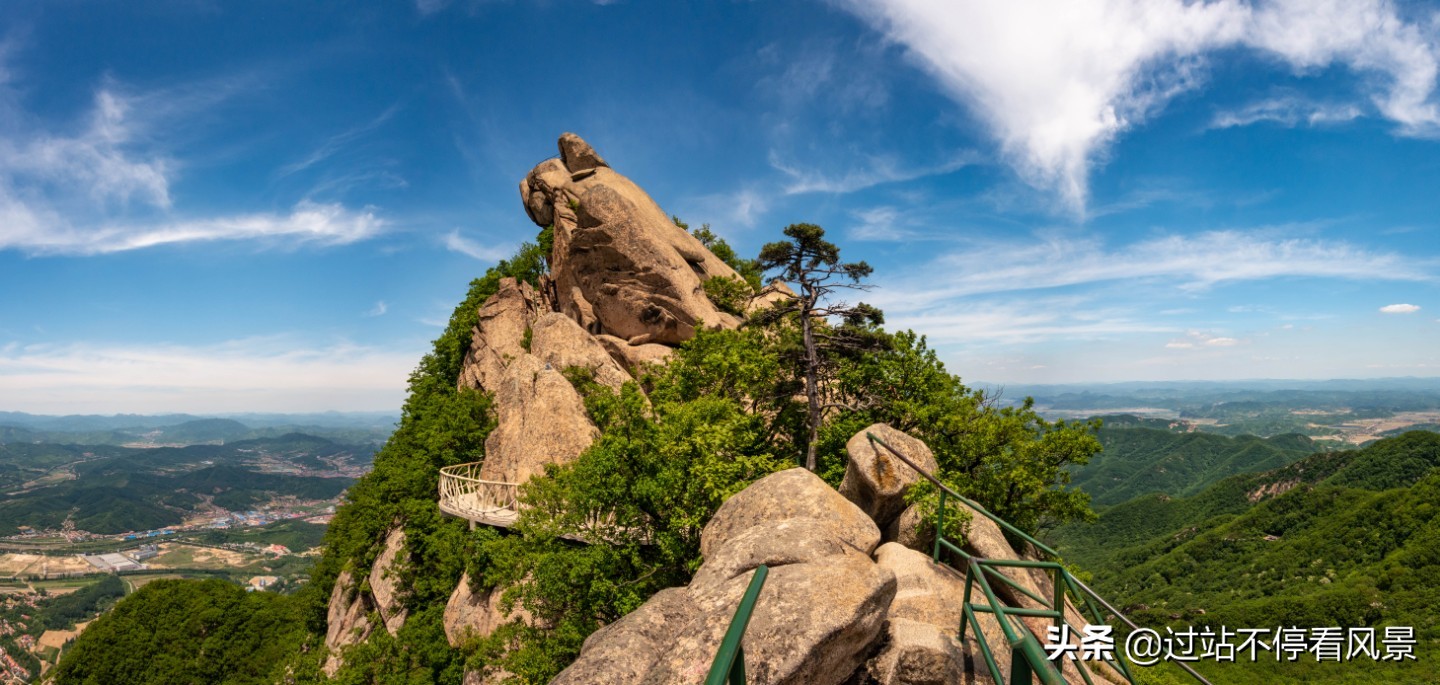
(1336, 539)
(1139, 461)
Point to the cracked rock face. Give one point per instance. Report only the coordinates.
(620, 265)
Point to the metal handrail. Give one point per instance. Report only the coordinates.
(1026, 652)
(729, 664)
(968, 502)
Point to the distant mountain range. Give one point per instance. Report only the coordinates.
(185, 429)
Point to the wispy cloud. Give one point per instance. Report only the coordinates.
(1400, 309)
(877, 170)
(378, 310)
(1012, 320)
(1057, 81)
(307, 224)
(455, 242)
(1288, 111)
(1200, 339)
(337, 142)
(1187, 262)
(105, 186)
(276, 372)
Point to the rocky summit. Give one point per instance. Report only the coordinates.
(849, 598)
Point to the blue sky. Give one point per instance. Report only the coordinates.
(229, 206)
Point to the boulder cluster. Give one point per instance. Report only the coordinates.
(844, 603)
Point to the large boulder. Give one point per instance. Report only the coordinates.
(347, 621)
(875, 480)
(789, 494)
(384, 581)
(813, 625)
(620, 264)
(933, 594)
(540, 419)
(560, 342)
(623, 652)
(498, 338)
(774, 294)
(773, 543)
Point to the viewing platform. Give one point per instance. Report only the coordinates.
(465, 495)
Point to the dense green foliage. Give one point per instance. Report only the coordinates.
(186, 632)
(1141, 461)
(1351, 539)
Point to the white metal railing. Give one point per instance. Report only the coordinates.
(464, 494)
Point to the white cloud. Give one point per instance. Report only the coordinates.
(1199, 339)
(486, 253)
(60, 192)
(1190, 262)
(1400, 309)
(1288, 111)
(307, 223)
(98, 159)
(879, 170)
(270, 373)
(379, 309)
(337, 142)
(1057, 80)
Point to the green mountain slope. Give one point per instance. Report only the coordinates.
(1337, 539)
(1139, 461)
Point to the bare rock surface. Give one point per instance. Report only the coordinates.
(560, 342)
(384, 581)
(623, 652)
(875, 480)
(813, 625)
(635, 357)
(347, 621)
(541, 420)
(470, 614)
(917, 653)
(769, 296)
(911, 530)
(498, 338)
(772, 543)
(620, 264)
(789, 494)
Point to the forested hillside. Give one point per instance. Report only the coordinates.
(1344, 539)
(1139, 461)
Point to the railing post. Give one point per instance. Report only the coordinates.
(939, 525)
(1019, 666)
(737, 670)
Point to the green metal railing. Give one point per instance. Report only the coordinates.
(1027, 656)
(729, 664)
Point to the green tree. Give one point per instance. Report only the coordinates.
(813, 263)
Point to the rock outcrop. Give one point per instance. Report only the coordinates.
(384, 581)
(346, 622)
(475, 614)
(499, 336)
(875, 479)
(620, 265)
(540, 419)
